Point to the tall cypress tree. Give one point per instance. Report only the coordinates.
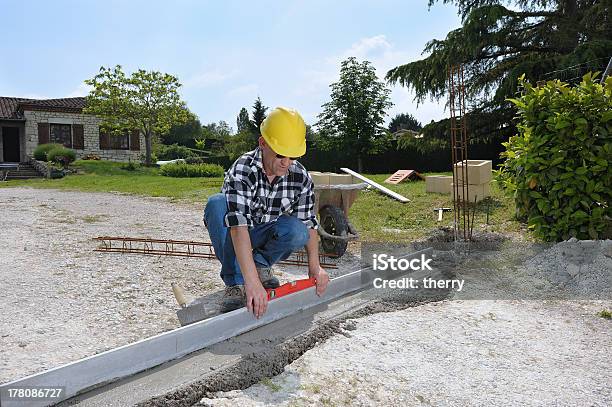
(243, 122)
(259, 114)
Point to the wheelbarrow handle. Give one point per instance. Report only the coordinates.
(352, 229)
(346, 238)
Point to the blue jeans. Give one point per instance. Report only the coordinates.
(272, 242)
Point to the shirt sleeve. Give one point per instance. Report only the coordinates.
(303, 208)
(238, 187)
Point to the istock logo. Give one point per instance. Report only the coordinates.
(382, 262)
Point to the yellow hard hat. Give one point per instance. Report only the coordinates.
(285, 132)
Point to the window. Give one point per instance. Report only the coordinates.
(120, 141)
(61, 134)
(114, 141)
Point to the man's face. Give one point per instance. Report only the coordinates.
(272, 163)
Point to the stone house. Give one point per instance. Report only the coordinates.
(26, 123)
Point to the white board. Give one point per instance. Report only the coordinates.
(376, 185)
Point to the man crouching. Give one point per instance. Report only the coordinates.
(267, 205)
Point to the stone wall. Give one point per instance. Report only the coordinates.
(91, 135)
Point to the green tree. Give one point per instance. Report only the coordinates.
(352, 120)
(404, 121)
(184, 134)
(259, 114)
(246, 129)
(311, 134)
(146, 100)
(243, 123)
(498, 42)
(217, 131)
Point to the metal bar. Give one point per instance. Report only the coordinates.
(144, 239)
(112, 365)
(459, 152)
(148, 248)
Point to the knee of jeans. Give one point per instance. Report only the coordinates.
(292, 231)
(216, 204)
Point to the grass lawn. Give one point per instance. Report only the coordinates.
(376, 216)
(105, 176)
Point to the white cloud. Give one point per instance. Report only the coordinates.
(245, 90)
(33, 96)
(384, 56)
(81, 90)
(209, 78)
(366, 47)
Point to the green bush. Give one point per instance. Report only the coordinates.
(172, 152)
(191, 170)
(40, 153)
(195, 160)
(61, 155)
(557, 167)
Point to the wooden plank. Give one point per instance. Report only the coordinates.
(401, 175)
(376, 185)
(398, 176)
(106, 367)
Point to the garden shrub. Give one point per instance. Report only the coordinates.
(172, 152)
(557, 166)
(61, 155)
(40, 153)
(195, 160)
(181, 170)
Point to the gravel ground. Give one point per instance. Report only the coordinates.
(61, 301)
(452, 353)
(490, 345)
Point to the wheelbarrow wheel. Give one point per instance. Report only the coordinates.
(334, 222)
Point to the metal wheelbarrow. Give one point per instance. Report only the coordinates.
(334, 195)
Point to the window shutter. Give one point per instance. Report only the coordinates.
(78, 137)
(104, 140)
(43, 133)
(135, 140)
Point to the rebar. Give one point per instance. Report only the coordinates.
(187, 248)
(459, 153)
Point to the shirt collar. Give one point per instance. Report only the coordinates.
(258, 158)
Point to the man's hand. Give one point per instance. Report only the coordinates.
(321, 276)
(256, 295)
(256, 298)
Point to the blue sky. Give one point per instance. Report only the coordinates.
(225, 53)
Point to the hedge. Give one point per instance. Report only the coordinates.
(181, 170)
(558, 165)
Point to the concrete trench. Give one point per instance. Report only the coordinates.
(246, 359)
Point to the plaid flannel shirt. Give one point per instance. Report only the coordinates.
(252, 200)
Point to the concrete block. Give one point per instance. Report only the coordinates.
(439, 184)
(319, 178)
(478, 171)
(340, 179)
(331, 178)
(478, 192)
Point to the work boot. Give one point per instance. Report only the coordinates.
(266, 276)
(233, 298)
